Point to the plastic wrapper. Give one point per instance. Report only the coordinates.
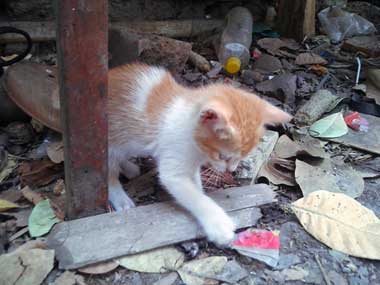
(339, 24)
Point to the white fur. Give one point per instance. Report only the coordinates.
(145, 83)
(179, 161)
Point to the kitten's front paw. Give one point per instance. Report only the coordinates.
(119, 200)
(219, 228)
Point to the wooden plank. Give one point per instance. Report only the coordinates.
(296, 18)
(369, 142)
(94, 239)
(82, 27)
(46, 31)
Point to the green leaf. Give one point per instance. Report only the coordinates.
(41, 219)
(332, 126)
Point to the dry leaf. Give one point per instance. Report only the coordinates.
(7, 170)
(330, 176)
(29, 267)
(6, 205)
(40, 172)
(100, 268)
(154, 261)
(340, 222)
(55, 151)
(69, 278)
(278, 171)
(332, 126)
(309, 59)
(31, 195)
(11, 195)
(286, 148)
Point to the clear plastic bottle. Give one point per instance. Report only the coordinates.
(236, 40)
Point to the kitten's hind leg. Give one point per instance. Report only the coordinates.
(129, 169)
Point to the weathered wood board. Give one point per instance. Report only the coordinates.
(94, 239)
(369, 142)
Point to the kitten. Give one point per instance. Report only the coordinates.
(183, 129)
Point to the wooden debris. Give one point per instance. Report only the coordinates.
(46, 31)
(370, 45)
(94, 239)
(250, 167)
(368, 141)
(319, 103)
(301, 23)
(199, 61)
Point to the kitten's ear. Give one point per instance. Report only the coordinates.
(215, 122)
(274, 115)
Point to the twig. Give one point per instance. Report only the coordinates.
(327, 280)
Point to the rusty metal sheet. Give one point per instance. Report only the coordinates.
(82, 27)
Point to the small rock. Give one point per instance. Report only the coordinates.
(287, 260)
(336, 278)
(267, 64)
(191, 248)
(355, 280)
(167, 280)
(338, 256)
(250, 77)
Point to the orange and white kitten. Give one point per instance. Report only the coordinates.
(183, 129)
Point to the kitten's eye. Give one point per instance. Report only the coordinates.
(222, 156)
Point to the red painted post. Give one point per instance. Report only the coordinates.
(82, 39)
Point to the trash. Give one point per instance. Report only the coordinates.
(356, 122)
(69, 278)
(199, 62)
(369, 45)
(27, 267)
(339, 24)
(320, 102)
(216, 68)
(39, 172)
(278, 171)
(155, 261)
(332, 126)
(42, 219)
(282, 87)
(99, 268)
(329, 176)
(6, 205)
(259, 244)
(236, 39)
(340, 222)
(267, 64)
(368, 142)
(309, 59)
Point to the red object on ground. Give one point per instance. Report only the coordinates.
(258, 239)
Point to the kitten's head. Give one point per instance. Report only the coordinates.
(231, 123)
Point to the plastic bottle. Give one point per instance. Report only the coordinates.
(236, 40)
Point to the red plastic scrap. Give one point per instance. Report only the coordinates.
(259, 239)
(356, 122)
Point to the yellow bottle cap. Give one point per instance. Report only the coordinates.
(233, 65)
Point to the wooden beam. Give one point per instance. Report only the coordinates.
(95, 239)
(82, 27)
(296, 18)
(46, 30)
